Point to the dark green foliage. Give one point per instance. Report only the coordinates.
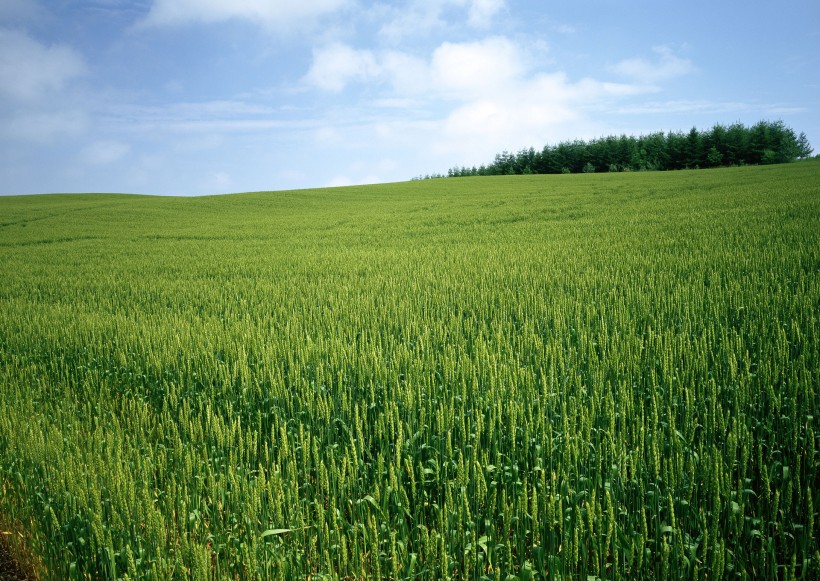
(714, 157)
(764, 143)
(804, 148)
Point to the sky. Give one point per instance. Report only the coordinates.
(197, 97)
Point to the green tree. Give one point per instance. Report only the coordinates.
(694, 147)
(737, 145)
(784, 141)
(714, 143)
(676, 148)
(764, 142)
(655, 153)
(769, 157)
(714, 157)
(761, 141)
(804, 148)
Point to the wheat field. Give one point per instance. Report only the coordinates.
(601, 376)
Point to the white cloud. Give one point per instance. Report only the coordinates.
(30, 70)
(410, 19)
(454, 70)
(104, 152)
(336, 65)
(408, 74)
(421, 18)
(475, 68)
(530, 111)
(482, 12)
(469, 99)
(273, 13)
(34, 97)
(667, 65)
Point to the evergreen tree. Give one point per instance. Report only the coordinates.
(714, 158)
(764, 142)
(694, 149)
(676, 147)
(737, 145)
(804, 149)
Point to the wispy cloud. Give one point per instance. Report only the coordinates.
(565, 29)
(681, 106)
(31, 71)
(702, 106)
(221, 116)
(104, 152)
(398, 23)
(666, 65)
(420, 18)
(36, 99)
(43, 127)
(336, 65)
(275, 14)
(483, 12)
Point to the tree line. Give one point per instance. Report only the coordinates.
(765, 142)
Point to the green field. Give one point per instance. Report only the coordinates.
(603, 375)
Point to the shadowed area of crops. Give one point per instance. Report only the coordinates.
(611, 376)
(16, 564)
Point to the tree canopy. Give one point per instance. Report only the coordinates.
(763, 143)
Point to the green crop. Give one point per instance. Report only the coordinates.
(583, 376)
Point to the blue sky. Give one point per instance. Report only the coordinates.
(192, 97)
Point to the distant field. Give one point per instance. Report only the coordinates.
(604, 375)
